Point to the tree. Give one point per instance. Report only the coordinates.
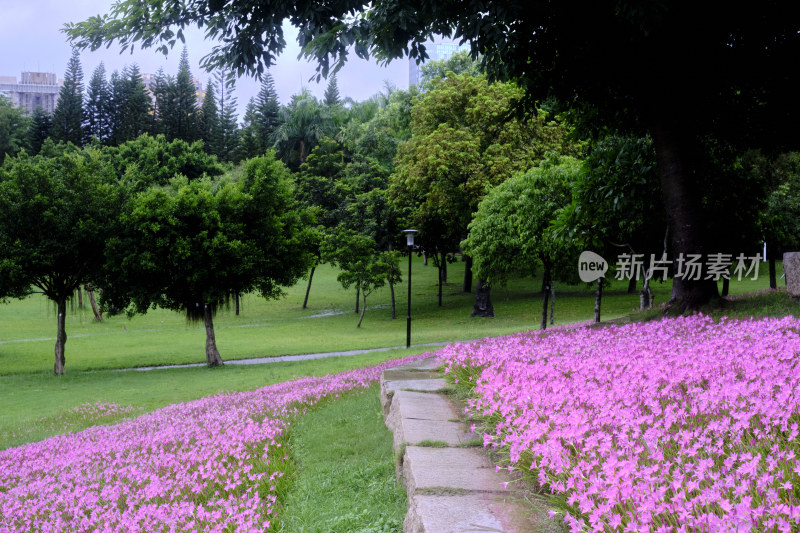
(781, 216)
(68, 114)
(510, 232)
(96, 110)
(178, 110)
(644, 68)
(466, 138)
(228, 141)
(266, 113)
(131, 107)
(615, 207)
(459, 63)
(14, 128)
(147, 161)
(41, 126)
(209, 123)
(331, 98)
(189, 246)
(302, 124)
(58, 213)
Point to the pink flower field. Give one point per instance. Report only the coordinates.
(209, 465)
(684, 424)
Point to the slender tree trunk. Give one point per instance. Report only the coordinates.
(308, 287)
(358, 295)
(598, 295)
(98, 316)
(61, 337)
(552, 303)
(483, 300)
(425, 258)
(444, 267)
(236, 298)
(682, 203)
(467, 274)
(363, 308)
(440, 284)
(545, 296)
(632, 285)
(394, 308)
(213, 357)
(773, 273)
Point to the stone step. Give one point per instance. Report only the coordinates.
(427, 470)
(415, 383)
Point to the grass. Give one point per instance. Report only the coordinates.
(279, 327)
(36, 406)
(344, 478)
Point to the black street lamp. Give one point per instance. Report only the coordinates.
(410, 243)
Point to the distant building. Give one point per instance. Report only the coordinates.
(36, 89)
(437, 50)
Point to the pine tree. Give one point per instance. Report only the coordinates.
(41, 126)
(160, 89)
(267, 112)
(95, 113)
(209, 123)
(332, 93)
(184, 104)
(134, 107)
(68, 115)
(228, 142)
(114, 108)
(248, 136)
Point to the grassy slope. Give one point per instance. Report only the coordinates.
(37, 404)
(345, 477)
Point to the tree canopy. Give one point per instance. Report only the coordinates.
(681, 71)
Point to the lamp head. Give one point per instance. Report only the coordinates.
(410, 236)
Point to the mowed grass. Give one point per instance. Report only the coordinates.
(344, 470)
(37, 404)
(279, 327)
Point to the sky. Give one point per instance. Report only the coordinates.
(31, 40)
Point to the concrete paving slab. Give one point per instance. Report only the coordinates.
(393, 374)
(418, 405)
(429, 363)
(388, 387)
(461, 469)
(413, 431)
(474, 513)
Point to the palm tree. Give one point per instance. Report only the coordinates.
(302, 124)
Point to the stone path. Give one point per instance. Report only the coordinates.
(452, 485)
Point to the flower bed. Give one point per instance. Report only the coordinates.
(684, 424)
(208, 465)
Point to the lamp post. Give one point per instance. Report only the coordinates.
(410, 243)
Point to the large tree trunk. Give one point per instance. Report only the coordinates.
(80, 297)
(675, 156)
(467, 274)
(61, 337)
(552, 303)
(98, 316)
(483, 300)
(726, 286)
(212, 354)
(308, 287)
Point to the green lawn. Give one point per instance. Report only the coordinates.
(37, 404)
(269, 328)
